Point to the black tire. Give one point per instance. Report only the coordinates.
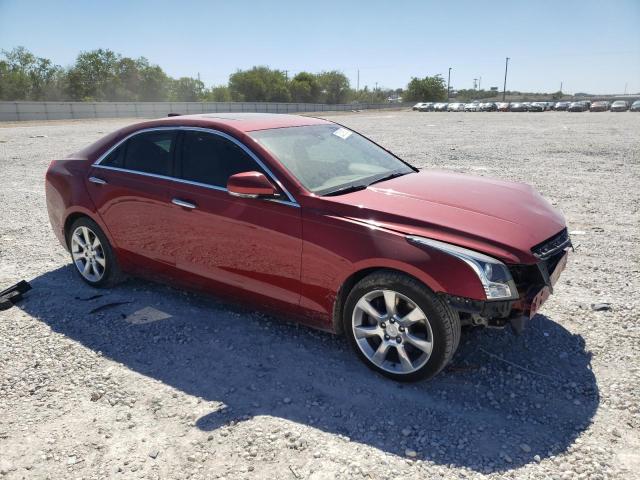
(443, 320)
(111, 273)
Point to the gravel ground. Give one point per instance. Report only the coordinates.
(215, 391)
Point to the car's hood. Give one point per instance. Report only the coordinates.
(503, 219)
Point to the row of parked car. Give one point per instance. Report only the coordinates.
(580, 106)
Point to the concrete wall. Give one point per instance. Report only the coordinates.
(17, 111)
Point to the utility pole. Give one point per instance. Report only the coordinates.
(448, 85)
(358, 82)
(475, 83)
(479, 82)
(504, 88)
(286, 75)
(560, 86)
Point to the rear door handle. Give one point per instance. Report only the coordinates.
(97, 180)
(183, 204)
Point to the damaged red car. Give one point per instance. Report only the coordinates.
(309, 218)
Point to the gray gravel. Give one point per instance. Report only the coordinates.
(211, 390)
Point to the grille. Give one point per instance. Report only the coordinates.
(552, 246)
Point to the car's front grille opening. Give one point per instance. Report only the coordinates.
(553, 245)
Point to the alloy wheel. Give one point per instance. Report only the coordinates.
(88, 254)
(392, 331)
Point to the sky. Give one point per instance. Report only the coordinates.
(589, 46)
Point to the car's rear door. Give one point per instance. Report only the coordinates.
(251, 244)
(130, 188)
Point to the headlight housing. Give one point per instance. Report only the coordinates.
(492, 273)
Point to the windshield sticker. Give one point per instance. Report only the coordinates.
(343, 133)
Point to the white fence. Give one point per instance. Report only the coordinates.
(16, 111)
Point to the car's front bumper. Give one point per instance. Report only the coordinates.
(534, 283)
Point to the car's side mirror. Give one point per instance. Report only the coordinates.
(250, 185)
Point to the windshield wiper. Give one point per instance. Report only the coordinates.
(347, 189)
(389, 177)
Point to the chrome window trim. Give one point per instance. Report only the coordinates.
(292, 201)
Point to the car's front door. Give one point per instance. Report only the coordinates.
(252, 244)
(130, 188)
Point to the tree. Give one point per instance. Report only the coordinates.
(186, 89)
(334, 86)
(219, 93)
(94, 76)
(260, 84)
(154, 83)
(305, 88)
(23, 76)
(426, 89)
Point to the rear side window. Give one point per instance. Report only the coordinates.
(148, 152)
(212, 159)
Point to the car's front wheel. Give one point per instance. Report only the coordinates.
(400, 328)
(92, 254)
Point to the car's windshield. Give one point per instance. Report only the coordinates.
(329, 158)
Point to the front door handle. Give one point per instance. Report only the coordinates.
(97, 180)
(183, 204)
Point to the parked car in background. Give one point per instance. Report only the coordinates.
(417, 106)
(635, 106)
(308, 218)
(441, 107)
(502, 106)
(426, 107)
(550, 105)
(601, 106)
(578, 107)
(518, 107)
(561, 106)
(472, 107)
(538, 107)
(456, 107)
(620, 106)
(488, 107)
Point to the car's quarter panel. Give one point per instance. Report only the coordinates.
(66, 195)
(249, 244)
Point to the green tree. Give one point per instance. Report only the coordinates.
(218, 93)
(154, 83)
(187, 89)
(304, 88)
(94, 76)
(259, 84)
(426, 89)
(334, 86)
(23, 76)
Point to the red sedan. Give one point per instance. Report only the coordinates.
(311, 219)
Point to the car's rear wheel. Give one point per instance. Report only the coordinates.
(399, 328)
(92, 254)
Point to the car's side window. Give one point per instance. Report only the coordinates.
(211, 159)
(115, 158)
(147, 152)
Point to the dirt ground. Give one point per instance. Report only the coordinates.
(212, 390)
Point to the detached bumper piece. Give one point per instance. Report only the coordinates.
(13, 294)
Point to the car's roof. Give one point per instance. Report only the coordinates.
(244, 122)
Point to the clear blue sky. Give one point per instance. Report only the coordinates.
(592, 46)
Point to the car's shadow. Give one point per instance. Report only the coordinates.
(504, 401)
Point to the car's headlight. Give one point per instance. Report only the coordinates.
(492, 273)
